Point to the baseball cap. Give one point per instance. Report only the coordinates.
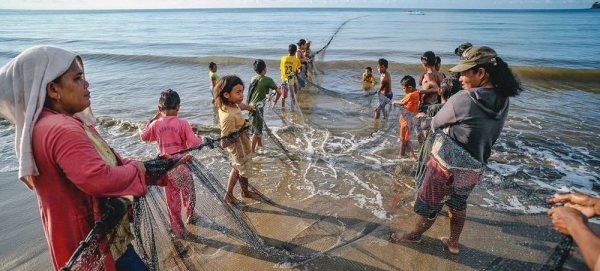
(307, 41)
(461, 48)
(474, 56)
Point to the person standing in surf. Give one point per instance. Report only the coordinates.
(230, 89)
(173, 134)
(368, 79)
(430, 83)
(384, 91)
(308, 56)
(289, 66)
(303, 61)
(410, 102)
(472, 119)
(212, 78)
(260, 85)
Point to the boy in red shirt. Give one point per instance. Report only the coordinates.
(411, 103)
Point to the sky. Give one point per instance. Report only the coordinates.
(178, 4)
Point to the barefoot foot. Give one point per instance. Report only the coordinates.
(452, 248)
(402, 237)
(230, 199)
(250, 195)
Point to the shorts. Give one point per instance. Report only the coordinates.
(243, 165)
(441, 186)
(384, 100)
(257, 121)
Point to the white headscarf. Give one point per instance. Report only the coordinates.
(23, 84)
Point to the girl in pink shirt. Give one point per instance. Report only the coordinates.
(173, 134)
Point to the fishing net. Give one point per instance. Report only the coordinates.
(506, 226)
(306, 219)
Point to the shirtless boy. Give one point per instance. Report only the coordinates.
(384, 91)
(431, 82)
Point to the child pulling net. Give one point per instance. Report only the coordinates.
(507, 227)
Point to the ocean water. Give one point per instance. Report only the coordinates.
(550, 141)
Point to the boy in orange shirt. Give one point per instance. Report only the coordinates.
(411, 103)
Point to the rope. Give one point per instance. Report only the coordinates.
(269, 132)
(209, 142)
(336, 31)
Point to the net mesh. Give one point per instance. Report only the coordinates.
(498, 235)
(506, 226)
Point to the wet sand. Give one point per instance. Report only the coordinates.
(351, 238)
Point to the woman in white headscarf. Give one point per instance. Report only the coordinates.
(43, 91)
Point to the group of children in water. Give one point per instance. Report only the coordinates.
(422, 103)
(173, 134)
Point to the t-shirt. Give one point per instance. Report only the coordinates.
(287, 65)
(262, 88)
(369, 79)
(411, 101)
(171, 133)
(231, 120)
(212, 75)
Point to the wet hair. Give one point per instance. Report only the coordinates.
(446, 87)
(438, 60)
(292, 48)
(369, 69)
(301, 42)
(429, 58)
(504, 80)
(408, 81)
(259, 66)
(382, 62)
(224, 85)
(169, 99)
(212, 65)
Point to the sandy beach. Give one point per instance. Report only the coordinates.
(348, 237)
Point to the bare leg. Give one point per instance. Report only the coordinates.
(233, 177)
(377, 113)
(411, 153)
(246, 193)
(402, 151)
(421, 227)
(456, 225)
(259, 141)
(255, 140)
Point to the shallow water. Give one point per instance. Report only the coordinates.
(549, 143)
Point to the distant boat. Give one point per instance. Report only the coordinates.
(415, 12)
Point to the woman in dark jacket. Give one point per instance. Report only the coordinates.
(473, 119)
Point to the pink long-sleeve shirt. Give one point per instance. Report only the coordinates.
(72, 177)
(171, 133)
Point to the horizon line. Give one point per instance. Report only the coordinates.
(200, 8)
